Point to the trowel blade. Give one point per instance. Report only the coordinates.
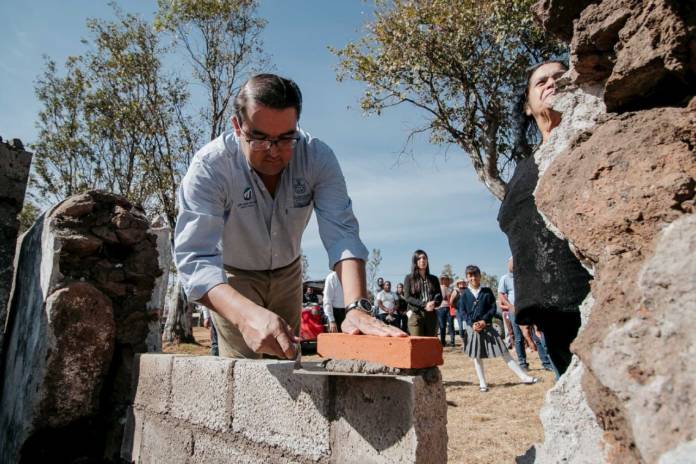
(315, 368)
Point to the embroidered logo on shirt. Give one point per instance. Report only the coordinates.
(302, 195)
(249, 200)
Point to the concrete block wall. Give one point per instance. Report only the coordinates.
(209, 409)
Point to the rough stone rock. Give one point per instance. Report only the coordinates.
(644, 51)
(612, 192)
(80, 245)
(571, 432)
(557, 16)
(14, 173)
(613, 189)
(163, 232)
(77, 316)
(595, 34)
(655, 58)
(76, 206)
(581, 108)
(647, 361)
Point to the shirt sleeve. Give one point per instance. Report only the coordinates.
(502, 288)
(329, 289)
(338, 227)
(198, 231)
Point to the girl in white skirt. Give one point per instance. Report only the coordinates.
(477, 307)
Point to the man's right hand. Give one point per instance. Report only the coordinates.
(266, 332)
(263, 331)
(333, 327)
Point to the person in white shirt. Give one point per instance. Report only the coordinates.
(333, 302)
(387, 305)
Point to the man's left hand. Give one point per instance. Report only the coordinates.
(358, 322)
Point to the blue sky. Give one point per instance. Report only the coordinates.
(432, 200)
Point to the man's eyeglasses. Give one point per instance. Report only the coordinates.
(283, 143)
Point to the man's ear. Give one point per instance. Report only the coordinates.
(237, 126)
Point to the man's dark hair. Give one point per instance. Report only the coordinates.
(471, 269)
(269, 90)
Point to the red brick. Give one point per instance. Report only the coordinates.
(401, 352)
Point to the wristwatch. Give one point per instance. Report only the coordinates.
(362, 304)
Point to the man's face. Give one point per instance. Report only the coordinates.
(387, 286)
(380, 282)
(474, 280)
(263, 123)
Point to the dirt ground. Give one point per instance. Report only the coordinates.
(493, 427)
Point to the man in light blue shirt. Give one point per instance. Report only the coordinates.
(506, 300)
(243, 206)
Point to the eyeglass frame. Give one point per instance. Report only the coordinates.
(268, 142)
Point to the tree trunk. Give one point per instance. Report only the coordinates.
(179, 325)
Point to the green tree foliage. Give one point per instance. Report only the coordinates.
(448, 271)
(222, 40)
(116, 120)
(27, 216)
(490, 280)
(460, 63)
(373, 264)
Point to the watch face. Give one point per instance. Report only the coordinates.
(365, 304)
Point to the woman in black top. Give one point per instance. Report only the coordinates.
(550, 282)
(422, 295)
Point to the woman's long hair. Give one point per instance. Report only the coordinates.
(415, 275)
(527, 135)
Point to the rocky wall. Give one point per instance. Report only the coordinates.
(14, 174)
(78, 314)
(618, 181)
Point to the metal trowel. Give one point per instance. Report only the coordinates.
(318, 368)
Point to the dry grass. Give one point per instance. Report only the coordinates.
(493, 427)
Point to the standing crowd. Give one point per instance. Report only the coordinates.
(424, 305)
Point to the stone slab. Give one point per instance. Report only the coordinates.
(165, 441)
(153, 385)
(274, 406)
(202, 391)
(381, 420)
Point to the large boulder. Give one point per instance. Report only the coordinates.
(624, 194)
(78, 314)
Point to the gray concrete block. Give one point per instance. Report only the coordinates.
(202, 391)
(215, 448)
(165, 441)
(383, 420)
(276, 407)
(153, 384)
(132, 435)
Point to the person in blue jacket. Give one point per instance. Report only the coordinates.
(476, 305)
